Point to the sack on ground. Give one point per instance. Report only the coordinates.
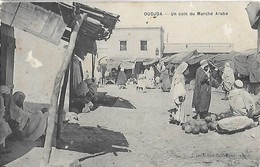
(234, 124)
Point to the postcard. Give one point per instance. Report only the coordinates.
(130, 83)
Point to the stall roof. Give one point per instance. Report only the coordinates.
(114, 62)
(180, 57)
(248, 63)
(50, 20)
(155, 60)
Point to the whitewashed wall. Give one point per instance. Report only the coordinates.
(133, 36)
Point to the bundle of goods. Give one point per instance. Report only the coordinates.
(196, 126)
(235, 124)
(224, 123)
(229, 124)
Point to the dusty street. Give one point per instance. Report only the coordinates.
(154, 142)
(142, 137)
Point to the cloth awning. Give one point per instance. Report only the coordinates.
(180, 57)
(115, 62)
(127, 65)
(248, 63)
(155, 60)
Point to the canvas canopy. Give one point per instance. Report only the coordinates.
(197, 58)
(247, 63)
(127, 65)
(180, 57)
(115, 62)
(155, 60)
(218, 60)
(143, 60)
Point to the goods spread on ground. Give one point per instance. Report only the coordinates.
(223, 123)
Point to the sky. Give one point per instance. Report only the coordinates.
(231, 28)
(37, 61)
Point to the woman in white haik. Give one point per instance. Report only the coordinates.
(178, 94)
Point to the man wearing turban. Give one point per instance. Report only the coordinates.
(202, 91)
(5, 130)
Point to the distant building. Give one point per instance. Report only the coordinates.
(206, 48)
(133, 42)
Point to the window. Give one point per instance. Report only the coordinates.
(123, 45)
(143, 45)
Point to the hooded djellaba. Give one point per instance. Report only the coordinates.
(25, 124)
(178, 93)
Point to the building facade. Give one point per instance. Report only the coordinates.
(206, 48)
(133, 42)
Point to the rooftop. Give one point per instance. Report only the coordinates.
(200, 47)
(140, 27)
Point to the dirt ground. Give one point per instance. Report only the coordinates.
(142, 137)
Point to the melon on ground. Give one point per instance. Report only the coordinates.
(196, 130)
(204, 129)
(184, 125)
(188, 129)
(212, 125)
(203, 122)
(208, 119)
(213, 117)
(196, 122)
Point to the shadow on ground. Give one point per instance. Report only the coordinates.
(112, 101)
(92, 140)
(18, 149)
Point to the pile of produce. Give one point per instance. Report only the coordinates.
(196, 126)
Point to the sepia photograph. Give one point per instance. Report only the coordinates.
(130, 84)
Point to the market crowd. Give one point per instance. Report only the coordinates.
(173, 79)
(240, 101)
(23, 124)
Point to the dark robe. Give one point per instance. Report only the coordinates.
(170, 68)
(121, 79)
(202, 90)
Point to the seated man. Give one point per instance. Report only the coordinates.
(241, 102)
(25, 124)
(82, 98)
(5, 130)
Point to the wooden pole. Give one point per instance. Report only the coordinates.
(71, 83)
(45, 159)
(93, 65)
(258, 38)
(61, 104)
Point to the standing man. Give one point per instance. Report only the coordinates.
(202, 91)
